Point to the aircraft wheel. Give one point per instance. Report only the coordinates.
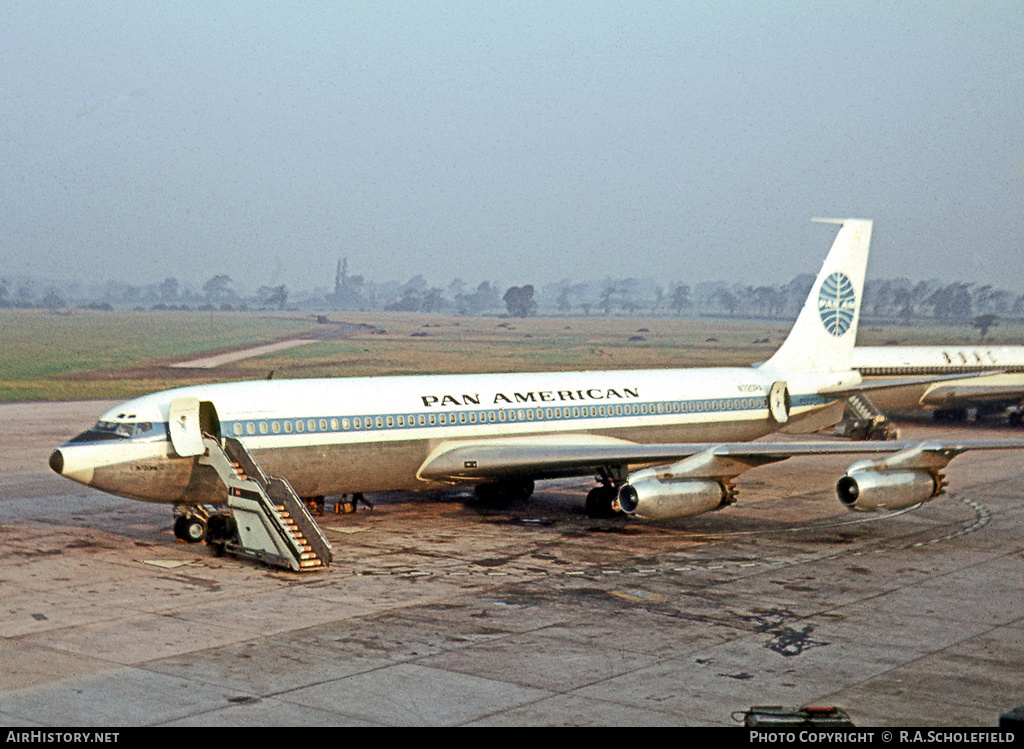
(599, 501)
(505, 491)
(522, 489)
(190, 529)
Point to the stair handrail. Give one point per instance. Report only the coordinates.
(219, 457)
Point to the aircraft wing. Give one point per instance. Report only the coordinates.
(945, 394)
(575, 455)
(897, 382)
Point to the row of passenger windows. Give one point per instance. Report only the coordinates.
(405, 421)
(906, 371)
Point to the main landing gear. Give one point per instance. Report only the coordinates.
(602, 500)
(501, 492)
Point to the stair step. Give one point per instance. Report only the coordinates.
(293, 519)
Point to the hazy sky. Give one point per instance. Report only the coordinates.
(518, 142)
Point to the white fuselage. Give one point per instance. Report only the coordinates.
(338, 436)
(908, 361)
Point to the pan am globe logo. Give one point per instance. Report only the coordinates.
(837, 303)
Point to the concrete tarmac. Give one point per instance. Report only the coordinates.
(440, 611)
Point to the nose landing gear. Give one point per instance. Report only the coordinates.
(190, 528)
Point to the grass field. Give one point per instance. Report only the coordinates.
(114, 355)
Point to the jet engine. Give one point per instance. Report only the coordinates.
(898, 481)
(655, 499)
(868, 491)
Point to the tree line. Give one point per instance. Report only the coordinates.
(886, 299)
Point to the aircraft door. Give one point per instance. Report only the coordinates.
(778, 402)
(209, 422)
(185, 427)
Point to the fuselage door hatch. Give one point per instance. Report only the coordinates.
(186, 433)
(779, 402)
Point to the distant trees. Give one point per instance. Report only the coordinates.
(984, 323)
(218, 291)
(519, 301)
(169, 291)
(484, 298)
(53, 300)
(951, 302)
(273, 296)
(980, 306)
(680, 299)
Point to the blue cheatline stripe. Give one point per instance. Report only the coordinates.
(510, 415)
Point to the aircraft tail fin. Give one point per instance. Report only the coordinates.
(823, 337)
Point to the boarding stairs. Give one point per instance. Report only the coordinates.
(866, 421)
(269, 522)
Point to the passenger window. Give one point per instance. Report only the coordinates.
(380, 423)
(288, 427)
(323, 425)
(391, 421)
(263, 427)
(345, 423)
(334, 424)
(275, 427)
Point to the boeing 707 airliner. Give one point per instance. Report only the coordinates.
(662, 444)
(999, 393)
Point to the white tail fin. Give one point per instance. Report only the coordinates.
(823, 337)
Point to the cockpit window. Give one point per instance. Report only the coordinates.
(116, 430)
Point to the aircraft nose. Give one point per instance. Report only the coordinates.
(57, 461)
(72, 463)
